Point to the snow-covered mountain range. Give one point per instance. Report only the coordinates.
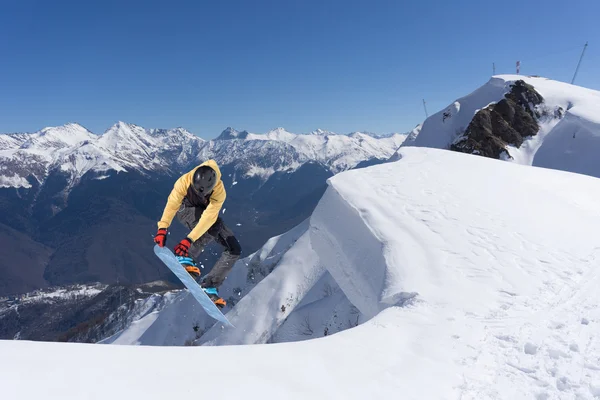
(74, 150)
(286, 151)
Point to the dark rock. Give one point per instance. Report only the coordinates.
(525, 96)
(507, 122)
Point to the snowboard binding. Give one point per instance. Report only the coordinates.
(213, 294)
(190, 266)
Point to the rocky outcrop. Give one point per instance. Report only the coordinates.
(507, 122)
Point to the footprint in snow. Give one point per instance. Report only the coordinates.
(530, 348)
(506, 338)
(574, 347)
(563, 383)
(556, 325)
(556, 354)
(595, 389)
(522, 369)
(542, 396)
(592, 367)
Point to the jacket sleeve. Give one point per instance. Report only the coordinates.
(174, 201)
(210, 215)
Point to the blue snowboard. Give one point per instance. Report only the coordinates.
(170, 261)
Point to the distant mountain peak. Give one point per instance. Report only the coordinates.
(68, 128)
(279, 130)
(74, 125)
(229, 133)
(280, 134)
(373, 134)
(124, 125)
(124, 129)
(179, 131)
(321, 132)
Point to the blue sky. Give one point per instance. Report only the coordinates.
(337, 65)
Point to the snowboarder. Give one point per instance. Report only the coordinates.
(196, 199)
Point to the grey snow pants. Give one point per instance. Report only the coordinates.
(219, 232)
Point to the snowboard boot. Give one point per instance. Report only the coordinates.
(213, 294)
(190, 266)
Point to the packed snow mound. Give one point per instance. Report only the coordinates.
(474, 273)
(569, 126)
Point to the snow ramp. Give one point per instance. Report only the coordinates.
(453, 229)
(435, 227)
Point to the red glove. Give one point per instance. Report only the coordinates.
(161, 237)
(182, 248)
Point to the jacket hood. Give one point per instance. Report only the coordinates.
(213, 165)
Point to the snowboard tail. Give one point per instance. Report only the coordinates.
(170, 260)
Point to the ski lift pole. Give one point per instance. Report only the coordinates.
(579, 63)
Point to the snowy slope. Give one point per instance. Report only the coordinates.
(569, 135)
(489, 294)
(501, 286)
(334, 367)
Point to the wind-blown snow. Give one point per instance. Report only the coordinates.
(475, 274)
(569, 136)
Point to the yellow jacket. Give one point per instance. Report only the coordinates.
(180, 189)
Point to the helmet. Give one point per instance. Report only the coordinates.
(205, 180)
